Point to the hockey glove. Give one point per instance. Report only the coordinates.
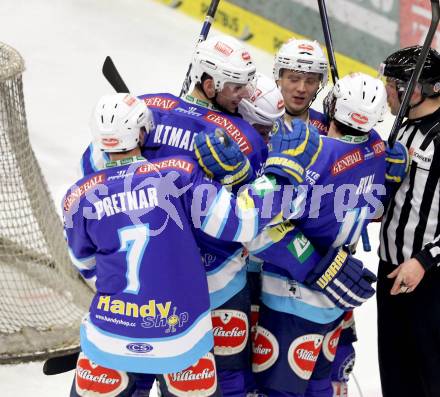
(292, 152)
(397, 163)
(342, 278)
(221, 158)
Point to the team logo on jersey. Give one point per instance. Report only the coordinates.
(78, 191)
(223, 48)
(359, 118)
(159, 102)
(347, 161)
(92, 379)
(231, 129)
(231, 331)
(378, 147)
(303, 353)
(198, 380)
(265, 350)
(330, 343)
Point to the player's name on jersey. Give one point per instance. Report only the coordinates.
(173, 136)
(127, 201)
(132, 309)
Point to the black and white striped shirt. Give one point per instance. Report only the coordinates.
(411, 225)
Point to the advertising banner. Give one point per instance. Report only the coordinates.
(268, 24)
(415, 17)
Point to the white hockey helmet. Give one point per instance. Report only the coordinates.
(225, 59)
(358, 101)
(266, 104)
(117, 121)
(301, 56)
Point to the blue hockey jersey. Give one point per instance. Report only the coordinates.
(342, 194)
(177, 122)
(319, 121)
(131, 227)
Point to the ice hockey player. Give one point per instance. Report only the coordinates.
(262, 110)
(299, 327)
(301, 71)
(264, 107)
(211, 105)
(119, 223)
(225, 262)
(118, 228)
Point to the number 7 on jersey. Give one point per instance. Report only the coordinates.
(134, 240)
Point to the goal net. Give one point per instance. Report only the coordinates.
(42, 298)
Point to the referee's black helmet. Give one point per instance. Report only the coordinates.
(400, 65)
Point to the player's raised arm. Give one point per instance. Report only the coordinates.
(223, 215)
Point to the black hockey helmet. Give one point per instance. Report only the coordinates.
(400, 65)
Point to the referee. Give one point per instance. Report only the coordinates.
(408, 290)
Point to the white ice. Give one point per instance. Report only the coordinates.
(64, 44)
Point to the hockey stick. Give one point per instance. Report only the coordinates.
(209, 19)
(328, 40)
(416, 73)
(335, 76)
(58, 365)
(113, 77)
